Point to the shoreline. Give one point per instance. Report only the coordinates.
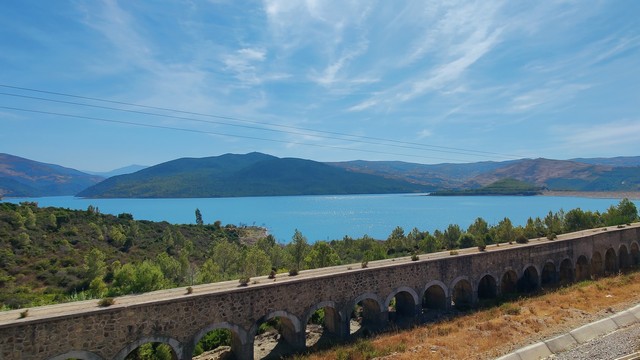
(631, 195)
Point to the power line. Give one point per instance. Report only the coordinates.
(422, 146)
(231, 124)
(216, 133)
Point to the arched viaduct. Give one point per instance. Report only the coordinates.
(436, 281)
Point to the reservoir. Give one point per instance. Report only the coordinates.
(330, 217)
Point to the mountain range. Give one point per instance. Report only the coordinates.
(257, 174)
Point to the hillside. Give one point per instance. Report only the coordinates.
(441, 176)
(615, 174)
(253, 174)
(21, 177)
(501, 187)
(565, 175)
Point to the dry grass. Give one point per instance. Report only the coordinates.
(498, 330)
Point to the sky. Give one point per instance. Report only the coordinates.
(100, 84)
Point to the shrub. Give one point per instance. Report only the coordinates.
(453, 252)
(293, 272)
(521, 239)
(482, 247)
(272, 274)
(415, 257)
(364, 264)
(552, 236)
(189, 290)
(244, 281)
(24, 314)
(108, 301)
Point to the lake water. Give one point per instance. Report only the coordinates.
(333, 217)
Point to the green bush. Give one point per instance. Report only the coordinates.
(108, 301)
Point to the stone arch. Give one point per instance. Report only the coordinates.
(372, 309)
(565, 273)
(549, 275)
(582, 268)
(624, 258)
(289, 328)
(610, 262)
(333, 321)
(635, 254)
(434, 296)
(461, 293)
(239, 337)
(77, 354)
(530, 280)
(292, 323)
(509, 282)
(487, 287)
(597, 265)
(407, 301)
(175, 345)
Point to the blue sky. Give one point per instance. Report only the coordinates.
(417, 81)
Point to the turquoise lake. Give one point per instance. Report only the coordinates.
(333, 217)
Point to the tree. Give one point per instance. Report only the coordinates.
(322, 255)
(199, 217)
(429, 244)
(479, 228)
(467, 240)
(94, 265)
(504, 231)
(117, 236)
(170, 267)
(298, 249)
(227, 256)
(452, 236)
(256, 262)
(395, 241)
(209, 272)
(624, 213)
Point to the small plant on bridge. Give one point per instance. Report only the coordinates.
(244, 281)
(293, 272)
(552, 236)
(24, 314)
(108, 301)
(415, 257)
(453, 252)
(189, 290)
(521, 239)
(272, 274)
(364, 264)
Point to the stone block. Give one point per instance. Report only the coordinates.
(593, 330)
(534, 352)
(512, 356)
(561, 343)
(624, 318)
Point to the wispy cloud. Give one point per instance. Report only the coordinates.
(611, 134)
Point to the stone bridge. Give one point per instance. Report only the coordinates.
(388, 291)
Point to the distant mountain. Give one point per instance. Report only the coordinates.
(564, 175)
(584, 175)
(441, 176)
(253, 174)
(21, 177)
(120, 171)
(620, 161)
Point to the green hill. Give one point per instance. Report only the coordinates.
(500, 187)
(253, 174)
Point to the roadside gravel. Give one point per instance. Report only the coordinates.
(617, 344)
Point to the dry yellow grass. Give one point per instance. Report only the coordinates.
(492, 332)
